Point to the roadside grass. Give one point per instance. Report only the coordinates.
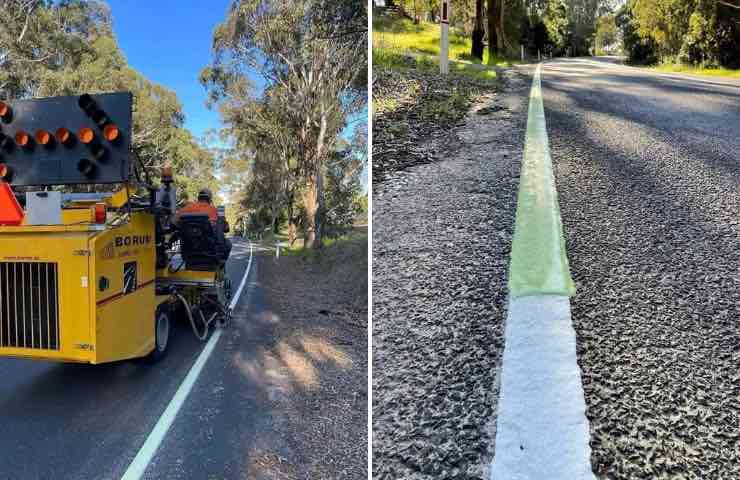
(705, 71)
(397, 34)
(331, 248)
(413, 104)
(436, 107)
(397, 60)
(269, 238)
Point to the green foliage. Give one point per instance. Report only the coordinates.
(694, 32)
(342, 180)
(393, 37)
(606, 34)
(639, 51)
(706, 71)
(312, 56)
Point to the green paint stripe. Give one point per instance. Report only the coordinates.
(539, 264)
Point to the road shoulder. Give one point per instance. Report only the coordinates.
(285, 394)
(441, 241)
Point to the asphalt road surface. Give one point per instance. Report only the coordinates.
(648, 174)
(66, 421)
(441, 241)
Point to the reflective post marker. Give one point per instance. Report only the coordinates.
(444, 65)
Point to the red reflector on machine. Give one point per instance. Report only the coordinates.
(11, 212)
(99, 213)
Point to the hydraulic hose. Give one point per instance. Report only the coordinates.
(202, 337)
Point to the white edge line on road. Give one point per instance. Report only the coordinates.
(541, 425)
(140, 463)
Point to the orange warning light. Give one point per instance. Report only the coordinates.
(22, 138)
(63, 135)
(111, 132)
(42, 137)
(4, 171)
(86, 135)
(5, 111)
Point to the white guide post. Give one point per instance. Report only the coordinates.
(444, 21)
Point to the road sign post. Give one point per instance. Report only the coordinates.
(444, 21)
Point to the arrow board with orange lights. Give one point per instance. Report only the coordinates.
(67, 140)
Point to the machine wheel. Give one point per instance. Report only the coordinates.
(223, 291)
(162, 328)
(227, 287)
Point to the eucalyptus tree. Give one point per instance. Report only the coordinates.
(312, 55)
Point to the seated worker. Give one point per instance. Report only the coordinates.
(204, 205)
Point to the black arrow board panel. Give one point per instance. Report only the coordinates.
(58, 164)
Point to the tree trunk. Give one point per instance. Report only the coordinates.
(274, 223)
(478, 31)
(503, 43)
(292, 228)
(321, 210)
(311, 203)
(314, 195)
(492, 27)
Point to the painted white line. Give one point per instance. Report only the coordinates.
(542, 430)
(541, 426)
(138, 466)
(238, 293)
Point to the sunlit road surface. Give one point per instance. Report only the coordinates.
(647, 167)
(66, 421)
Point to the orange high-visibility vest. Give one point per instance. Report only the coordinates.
(198, 207)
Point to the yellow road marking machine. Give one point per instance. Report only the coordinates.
(95, 277)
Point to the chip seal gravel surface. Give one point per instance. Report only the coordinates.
(441, 242)
(648, 175)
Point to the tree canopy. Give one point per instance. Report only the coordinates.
(699, 32)
(312, 57)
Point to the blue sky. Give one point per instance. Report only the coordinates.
(169, 42)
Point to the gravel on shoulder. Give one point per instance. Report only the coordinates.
(441, 242)
(315, 364)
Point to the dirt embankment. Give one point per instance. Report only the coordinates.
(320, 341)
(414, 114)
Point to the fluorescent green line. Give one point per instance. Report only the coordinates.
(539, 264)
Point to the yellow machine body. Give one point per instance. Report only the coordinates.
(78, 271)
(78, 292)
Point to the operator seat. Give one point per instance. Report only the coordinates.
(201, 247)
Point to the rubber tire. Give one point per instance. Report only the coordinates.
(160, 351)
(229, 292)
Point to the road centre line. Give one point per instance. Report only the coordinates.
(541, 426)
(147, 451)
(539, 264)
